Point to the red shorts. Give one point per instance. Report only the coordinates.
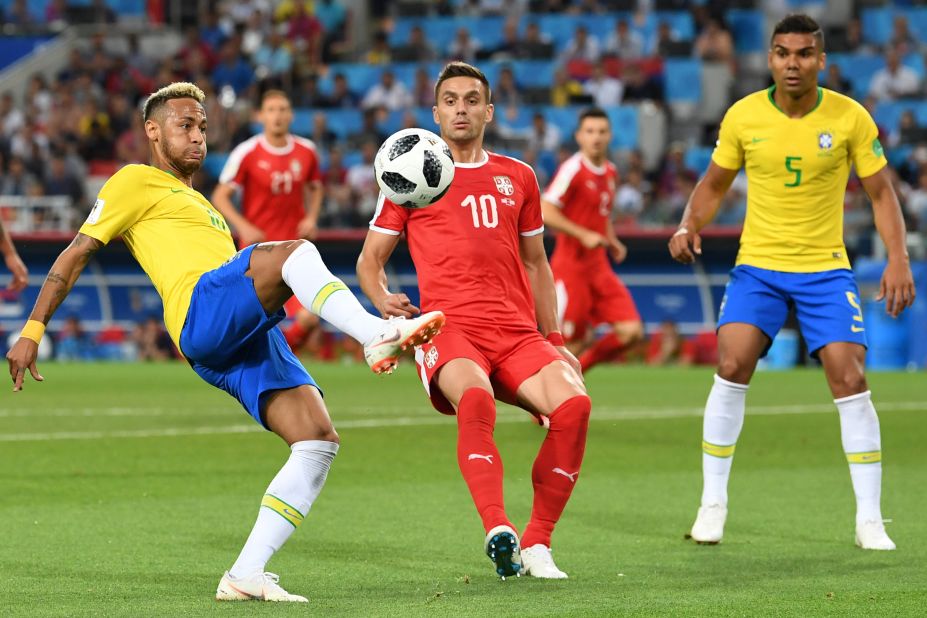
(508, 358)
(292, 306)
(591, 297)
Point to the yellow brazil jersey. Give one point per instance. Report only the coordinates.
(797, 170)
(171, 229)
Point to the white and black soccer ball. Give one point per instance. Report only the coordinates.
(414, 168)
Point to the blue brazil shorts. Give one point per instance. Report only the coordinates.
(826, 304)
(232, 343)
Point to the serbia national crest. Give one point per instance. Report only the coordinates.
(504, 185)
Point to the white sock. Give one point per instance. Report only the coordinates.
(325, 295)
(724, 417)
(287, 502)
(859, 432)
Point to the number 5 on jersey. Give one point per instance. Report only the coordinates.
(791, 164)
(487, 213)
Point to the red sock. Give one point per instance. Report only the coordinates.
(602, 350)
(478, 456)
(557, 467)
(296, 335)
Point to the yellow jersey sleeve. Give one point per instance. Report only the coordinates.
(729, 152)
(865, 149)
(120, 204)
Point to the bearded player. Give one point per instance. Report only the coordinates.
(479, 254)
(578, 204)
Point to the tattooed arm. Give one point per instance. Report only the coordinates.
(61, 278)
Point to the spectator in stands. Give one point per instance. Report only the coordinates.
(56, 12)
(564, 89)
(18, 14)
(31, 145)
(211, 31)
(335, 19)
(606, 91)
(364, 189)
(535, 45)
(665, 43)
(273, 58)
(639, 86)
(304, 32)
(324, 138)
(11, 117)
(38, 98)
(390, 94)
(369, 131)
(60, 181)
(417, 47)
(902, 40)
(141, 62)
(193, 44)
(255, 33)
(309, 93)
(152, 341)
(916, 202)
(836, 81)
(74, 344)
(101, 13)
(18, 180)
(668, 347)
(505, 91)
(337, 205)
(624, 43)
(379, 52)
(96, 140)
(464, 47)
(341, 95)
(630, 198)
(583, 47)
(715, 43)
(895, 80)
(131, 144)
(543, 136)
(232, 70)
(423, 90)
(848, 39)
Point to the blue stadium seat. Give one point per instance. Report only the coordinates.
(860, 68)
(14, 48)
(533, 73)
(877, 24)
(748, 30)
(361, 77)
(214, 163)
(683, 80)
(625, 129)
(352, 158)
(680, 22)
(698, 158)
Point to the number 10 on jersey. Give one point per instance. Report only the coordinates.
(486, 212)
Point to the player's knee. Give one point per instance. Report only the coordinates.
(847, 383)
(735, 370)
(630, 333)
(574, 412)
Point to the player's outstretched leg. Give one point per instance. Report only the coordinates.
(325, 295)
(862, 443)
(554, 475)
(724, 418)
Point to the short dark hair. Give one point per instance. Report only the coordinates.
(177, 90)
(459, 68)
(592, 112)
(799, 24)
(273, 93)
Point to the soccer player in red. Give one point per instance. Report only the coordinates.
(578, 204)
(280, 181)
(479, 255)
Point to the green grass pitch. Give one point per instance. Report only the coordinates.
(126, 490)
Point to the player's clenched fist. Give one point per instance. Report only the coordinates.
(685, 245)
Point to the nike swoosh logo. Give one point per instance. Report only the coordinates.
(856, 329)
(292, 514)
(757, 140)
(392, 339)
(176, 190)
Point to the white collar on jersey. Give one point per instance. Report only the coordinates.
(479, 163)
(595, 169)
(282, 150)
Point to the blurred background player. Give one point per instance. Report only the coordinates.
(280, 180)
(221, 309)
(578, 204)
(796, 142)
(20, 275)
(479, 254)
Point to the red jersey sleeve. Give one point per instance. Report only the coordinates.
(530, 221)
(236, 166)
(388, 218)
(313, 168)
(560, 190)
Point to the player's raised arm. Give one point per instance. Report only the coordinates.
(554, 218)
(20, 274)
(371, 273)
(897, 285)
(703, 204)
(61, 278)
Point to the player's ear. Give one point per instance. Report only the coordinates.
(434, 114)
(822, 61)
(152, 130)
(490, 109)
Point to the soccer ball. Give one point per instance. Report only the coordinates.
(414, 168)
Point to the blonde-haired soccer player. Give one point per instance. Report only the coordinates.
(796, 142)
(221, 308)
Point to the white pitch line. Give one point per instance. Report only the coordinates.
(598, 414)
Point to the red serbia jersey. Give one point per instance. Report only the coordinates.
(272, 182)
(465, 246)
(585, 193)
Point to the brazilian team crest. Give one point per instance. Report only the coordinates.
(825, 140)
(504, 185)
